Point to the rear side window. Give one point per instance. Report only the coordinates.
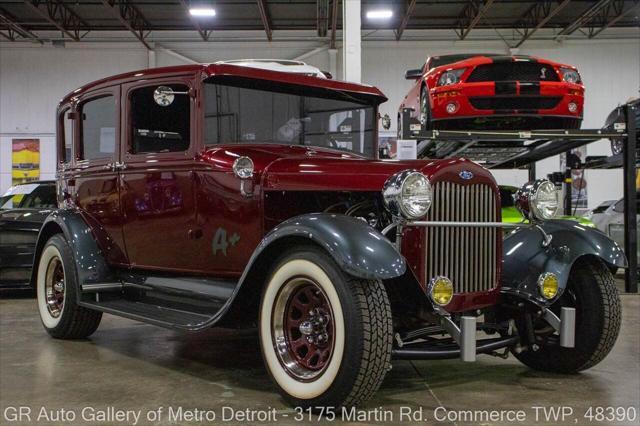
(66, 127)
(98, 128)
(160, 127)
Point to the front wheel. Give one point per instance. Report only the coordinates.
(591, 290)
(325, 336)
(425, 109)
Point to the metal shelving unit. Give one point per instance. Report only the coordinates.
(522, 149)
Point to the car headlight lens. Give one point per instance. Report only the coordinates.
(570, 76)
(407, 194)
(441, 290)
(450, 77)
(548, 285)
(537, 200)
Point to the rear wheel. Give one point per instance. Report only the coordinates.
(57, 287)
(325, 336)
(592, 292)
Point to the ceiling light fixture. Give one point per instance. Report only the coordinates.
(379, 14)
(206, 12)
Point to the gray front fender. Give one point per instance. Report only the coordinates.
(525, 258)
(357, 248)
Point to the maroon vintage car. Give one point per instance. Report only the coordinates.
(226, 195)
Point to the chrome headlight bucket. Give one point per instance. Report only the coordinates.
(407, 194)
(537, 200)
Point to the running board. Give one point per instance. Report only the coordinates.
(152, 314)
(101, 287)
(178, 302)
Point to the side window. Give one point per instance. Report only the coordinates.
(67, 135)
(619, 207)
(163, 127)
(98, 128)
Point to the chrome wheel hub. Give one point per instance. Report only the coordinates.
(54, 287)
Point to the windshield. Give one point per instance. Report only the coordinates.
(29, 196)
(288, 115)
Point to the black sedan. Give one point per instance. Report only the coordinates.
(23, 209)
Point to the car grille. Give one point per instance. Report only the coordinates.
(466, 255)
(516, 102)
(513, 71)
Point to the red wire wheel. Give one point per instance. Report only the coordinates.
(303, 328)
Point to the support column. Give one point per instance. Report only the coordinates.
(532, 171)
(151, 57)
(333, 62)
(351, 49)
(568, 179)
(630, 206)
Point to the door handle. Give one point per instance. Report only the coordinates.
(119, 166)
(109, 166)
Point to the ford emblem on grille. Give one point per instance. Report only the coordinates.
(466, 175)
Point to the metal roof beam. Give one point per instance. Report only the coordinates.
(59, 15)
(405, 19)
(334, 23)
(130, 17)
(610, 15)
(266, 18)
(583, 19)
(538, 16)
(12, 30)
(470, 16)
(203, 33)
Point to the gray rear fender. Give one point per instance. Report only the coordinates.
(525, 257)
(91, 266)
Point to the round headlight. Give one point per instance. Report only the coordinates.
(243, 167)
(441, 290)
(407, 194)
(548, 285)
(570, 76)
(537, 200)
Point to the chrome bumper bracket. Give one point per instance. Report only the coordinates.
(565, 325)
(465, 336)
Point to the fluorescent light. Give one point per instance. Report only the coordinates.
(379, 14)
(202, 11)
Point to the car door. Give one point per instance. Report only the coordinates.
(94, 184)
(157, 183)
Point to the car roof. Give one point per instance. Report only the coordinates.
(284, 65)
(229, 70)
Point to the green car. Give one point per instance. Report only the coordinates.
(511, 214)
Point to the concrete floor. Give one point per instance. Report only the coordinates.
(132, 366)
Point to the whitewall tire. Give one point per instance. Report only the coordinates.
(325, 337)
(57, 293)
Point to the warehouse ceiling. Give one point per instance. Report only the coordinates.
(76, 19)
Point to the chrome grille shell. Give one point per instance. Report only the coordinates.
(466, 255)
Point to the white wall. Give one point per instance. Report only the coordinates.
(33, 79)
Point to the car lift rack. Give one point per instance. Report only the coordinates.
(511, 149)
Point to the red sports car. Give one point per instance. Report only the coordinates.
(490, 91)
